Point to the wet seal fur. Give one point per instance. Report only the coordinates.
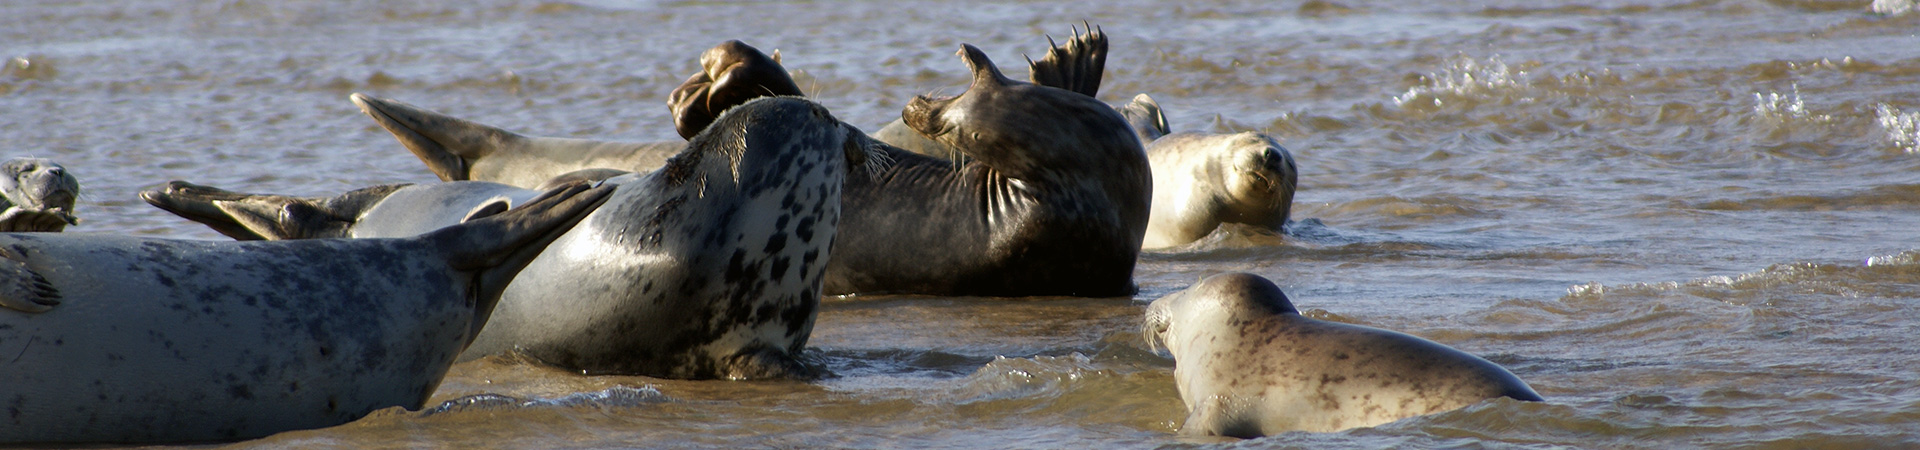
(1202, 180)
(112, 339)
(36, 194)
(709, 267)
(1248, 365)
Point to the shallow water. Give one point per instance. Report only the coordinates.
(1687, 224)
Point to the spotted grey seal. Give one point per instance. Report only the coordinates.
(113, 339)
(1052, 199)
(36, 194)
(1248, 364)
(709, 267)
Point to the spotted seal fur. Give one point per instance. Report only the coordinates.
(114, 339)
(709, 267)
(1248, 364)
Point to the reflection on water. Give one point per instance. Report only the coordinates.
(1684, 223)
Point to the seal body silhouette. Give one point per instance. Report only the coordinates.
(1247, 365)
(112, 339)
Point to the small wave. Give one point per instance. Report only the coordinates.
(1787, 107)
(1902, 129)
(613, 397)
(1464, 76)
(29, 67)
(1040, 376)
(1893, 7)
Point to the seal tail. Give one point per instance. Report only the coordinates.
(255, 217)
(496, 247)
(1076, 66)
(447, 144)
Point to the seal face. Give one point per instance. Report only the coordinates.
(114, 339)
(1202, 180)
(36, 194)
(1248, 365)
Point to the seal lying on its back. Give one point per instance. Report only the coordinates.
(456, 149)
(36, 194)
(707, 268)
(1053, 200)
(113, 339)
(1249, 365)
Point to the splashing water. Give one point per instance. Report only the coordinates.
(1902, 129)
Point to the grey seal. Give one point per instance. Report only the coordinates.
(1051, 199)
(1248, 364)
(113, 339)
(1202, 180)
(37, 194)
(709, 267)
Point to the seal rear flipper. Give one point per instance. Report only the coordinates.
(447, 144)
(1076, 66)
(23, 289)
(254, 217)
(496, 247)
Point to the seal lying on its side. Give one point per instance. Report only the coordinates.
(456, 149)
(36, 194)
(1249, 365)
(1202, 180)
(707, 268)
(113, 339)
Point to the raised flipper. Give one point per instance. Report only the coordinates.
(448, 144)
(21, 288)
(498, 246)
(731, 74)
(1076, 66)
(1144, 115)
(252, 217)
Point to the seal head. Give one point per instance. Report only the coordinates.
(36, 194)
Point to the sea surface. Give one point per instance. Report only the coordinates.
(1687, 224)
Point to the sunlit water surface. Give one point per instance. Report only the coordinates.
(1687, 224)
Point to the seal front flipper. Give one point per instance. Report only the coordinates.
(766, 363)
(1076, 66)
(23, 289)
(449, 145)
(1144, 115)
